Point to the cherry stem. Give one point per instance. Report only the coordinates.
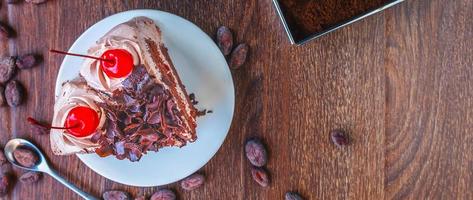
(80, 55)
(36, 122)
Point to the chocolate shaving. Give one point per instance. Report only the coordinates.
(141, 117)
(154, 118)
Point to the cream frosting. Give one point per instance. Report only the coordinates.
(120, 37)
(75, 93)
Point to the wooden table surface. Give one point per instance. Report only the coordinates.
(401, 83)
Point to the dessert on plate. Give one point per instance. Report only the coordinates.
(127, 100)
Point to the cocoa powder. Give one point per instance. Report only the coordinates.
(307, 17)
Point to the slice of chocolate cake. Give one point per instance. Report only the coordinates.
(147, 108)
(141, 116)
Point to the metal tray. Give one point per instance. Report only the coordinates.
(331, 28)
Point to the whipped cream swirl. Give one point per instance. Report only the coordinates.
(120, 37)
(76, 93)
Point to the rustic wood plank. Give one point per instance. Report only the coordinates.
(399, 82)
(429, 97)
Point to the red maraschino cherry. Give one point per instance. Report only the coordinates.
(115, 63)
(81, 121)
(86, 118)
(122, 65)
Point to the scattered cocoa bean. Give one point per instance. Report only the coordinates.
(27, 61)
(239, 56)
(2, 96)
(25, 157)
(141, 197)
(163, 194)
(14, 93)
(30, 177)
(4, 184)
(12, 1)
(224, 40)
(339, 138)
(5, 168)
(292, 196)
(6, 31)
(115, 195)
(7, 69)
(261, 176)
(192, 182)
(256, 152)
(3, 159)
(35, 1)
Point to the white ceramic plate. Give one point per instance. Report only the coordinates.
(203, 70)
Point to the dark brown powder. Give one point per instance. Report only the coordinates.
(307, 17)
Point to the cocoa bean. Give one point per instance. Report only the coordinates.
(239, 56)
(115, 195)
(163, 194)
(27, 61)
(224, 40)
(192, 182)
(141, 197)
(339, 138)
(3, 159)
(30, 177)
(12, 1)
(261, 176)
(7, 69)
(25, 157)
(14, 93)
(4, 184)
(256, 152)
(35, 1)
(6, 31)
(2, 96)
(292, 196)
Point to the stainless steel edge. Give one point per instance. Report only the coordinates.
(331, 29)
(283, 20)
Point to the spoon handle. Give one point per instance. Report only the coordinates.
(81, 193)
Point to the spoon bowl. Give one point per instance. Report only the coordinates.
(40, 166)
(14, 144)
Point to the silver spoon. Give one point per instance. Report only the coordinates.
(42, 164)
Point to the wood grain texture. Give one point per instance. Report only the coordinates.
(400, 82)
